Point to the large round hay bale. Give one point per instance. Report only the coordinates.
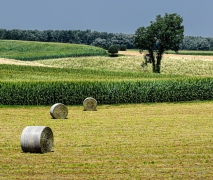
(37, 139)
(59, 111)
(90, 104)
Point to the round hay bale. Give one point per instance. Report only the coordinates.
(90, 104)
(59, 111)
(37, 139)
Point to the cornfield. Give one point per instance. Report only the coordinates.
(108, 80)
(73, 93)
(29, 51)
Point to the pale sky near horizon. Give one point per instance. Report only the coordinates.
(112, 16)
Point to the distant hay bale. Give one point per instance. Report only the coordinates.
(37, 139)
(59, 111)
(90, 104)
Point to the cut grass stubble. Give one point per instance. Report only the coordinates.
(159, 141)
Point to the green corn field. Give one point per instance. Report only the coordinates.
(28, 51)
(118, 80)
(120, 92)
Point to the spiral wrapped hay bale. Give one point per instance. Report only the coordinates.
(59, 111)
(90, 104)
(37, 139)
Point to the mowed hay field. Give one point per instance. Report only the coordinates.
(169, 140)
(131, 62)
(138, 141)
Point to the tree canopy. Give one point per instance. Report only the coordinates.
(100, 39)
(165, 33)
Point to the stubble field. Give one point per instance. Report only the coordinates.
(139, 141)
(192, 65)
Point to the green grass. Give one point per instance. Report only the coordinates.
(14, 73)
(27, 50)
(139, 141)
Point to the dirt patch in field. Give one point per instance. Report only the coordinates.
(130, 53)
(17, 62)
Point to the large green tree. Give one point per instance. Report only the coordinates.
(165, 33)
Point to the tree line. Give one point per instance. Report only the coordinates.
(88, 37)
(197, 43)
(100, 39)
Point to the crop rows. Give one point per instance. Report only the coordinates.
(9, 73)
(73, 93)
(28, 51)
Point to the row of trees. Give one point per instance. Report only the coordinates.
(88, 37)
(101, 39)
(196, 43)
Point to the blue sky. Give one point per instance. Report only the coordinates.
(115, 16)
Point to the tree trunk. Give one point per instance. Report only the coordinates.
(156, 63)
(157, 66)
(152, 57)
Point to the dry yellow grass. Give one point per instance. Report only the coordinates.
(18, 62)
(171, 63)
(138, 141)
(180, 64)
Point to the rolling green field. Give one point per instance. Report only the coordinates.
(28, 51)
(14, 73)
(167, 140)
